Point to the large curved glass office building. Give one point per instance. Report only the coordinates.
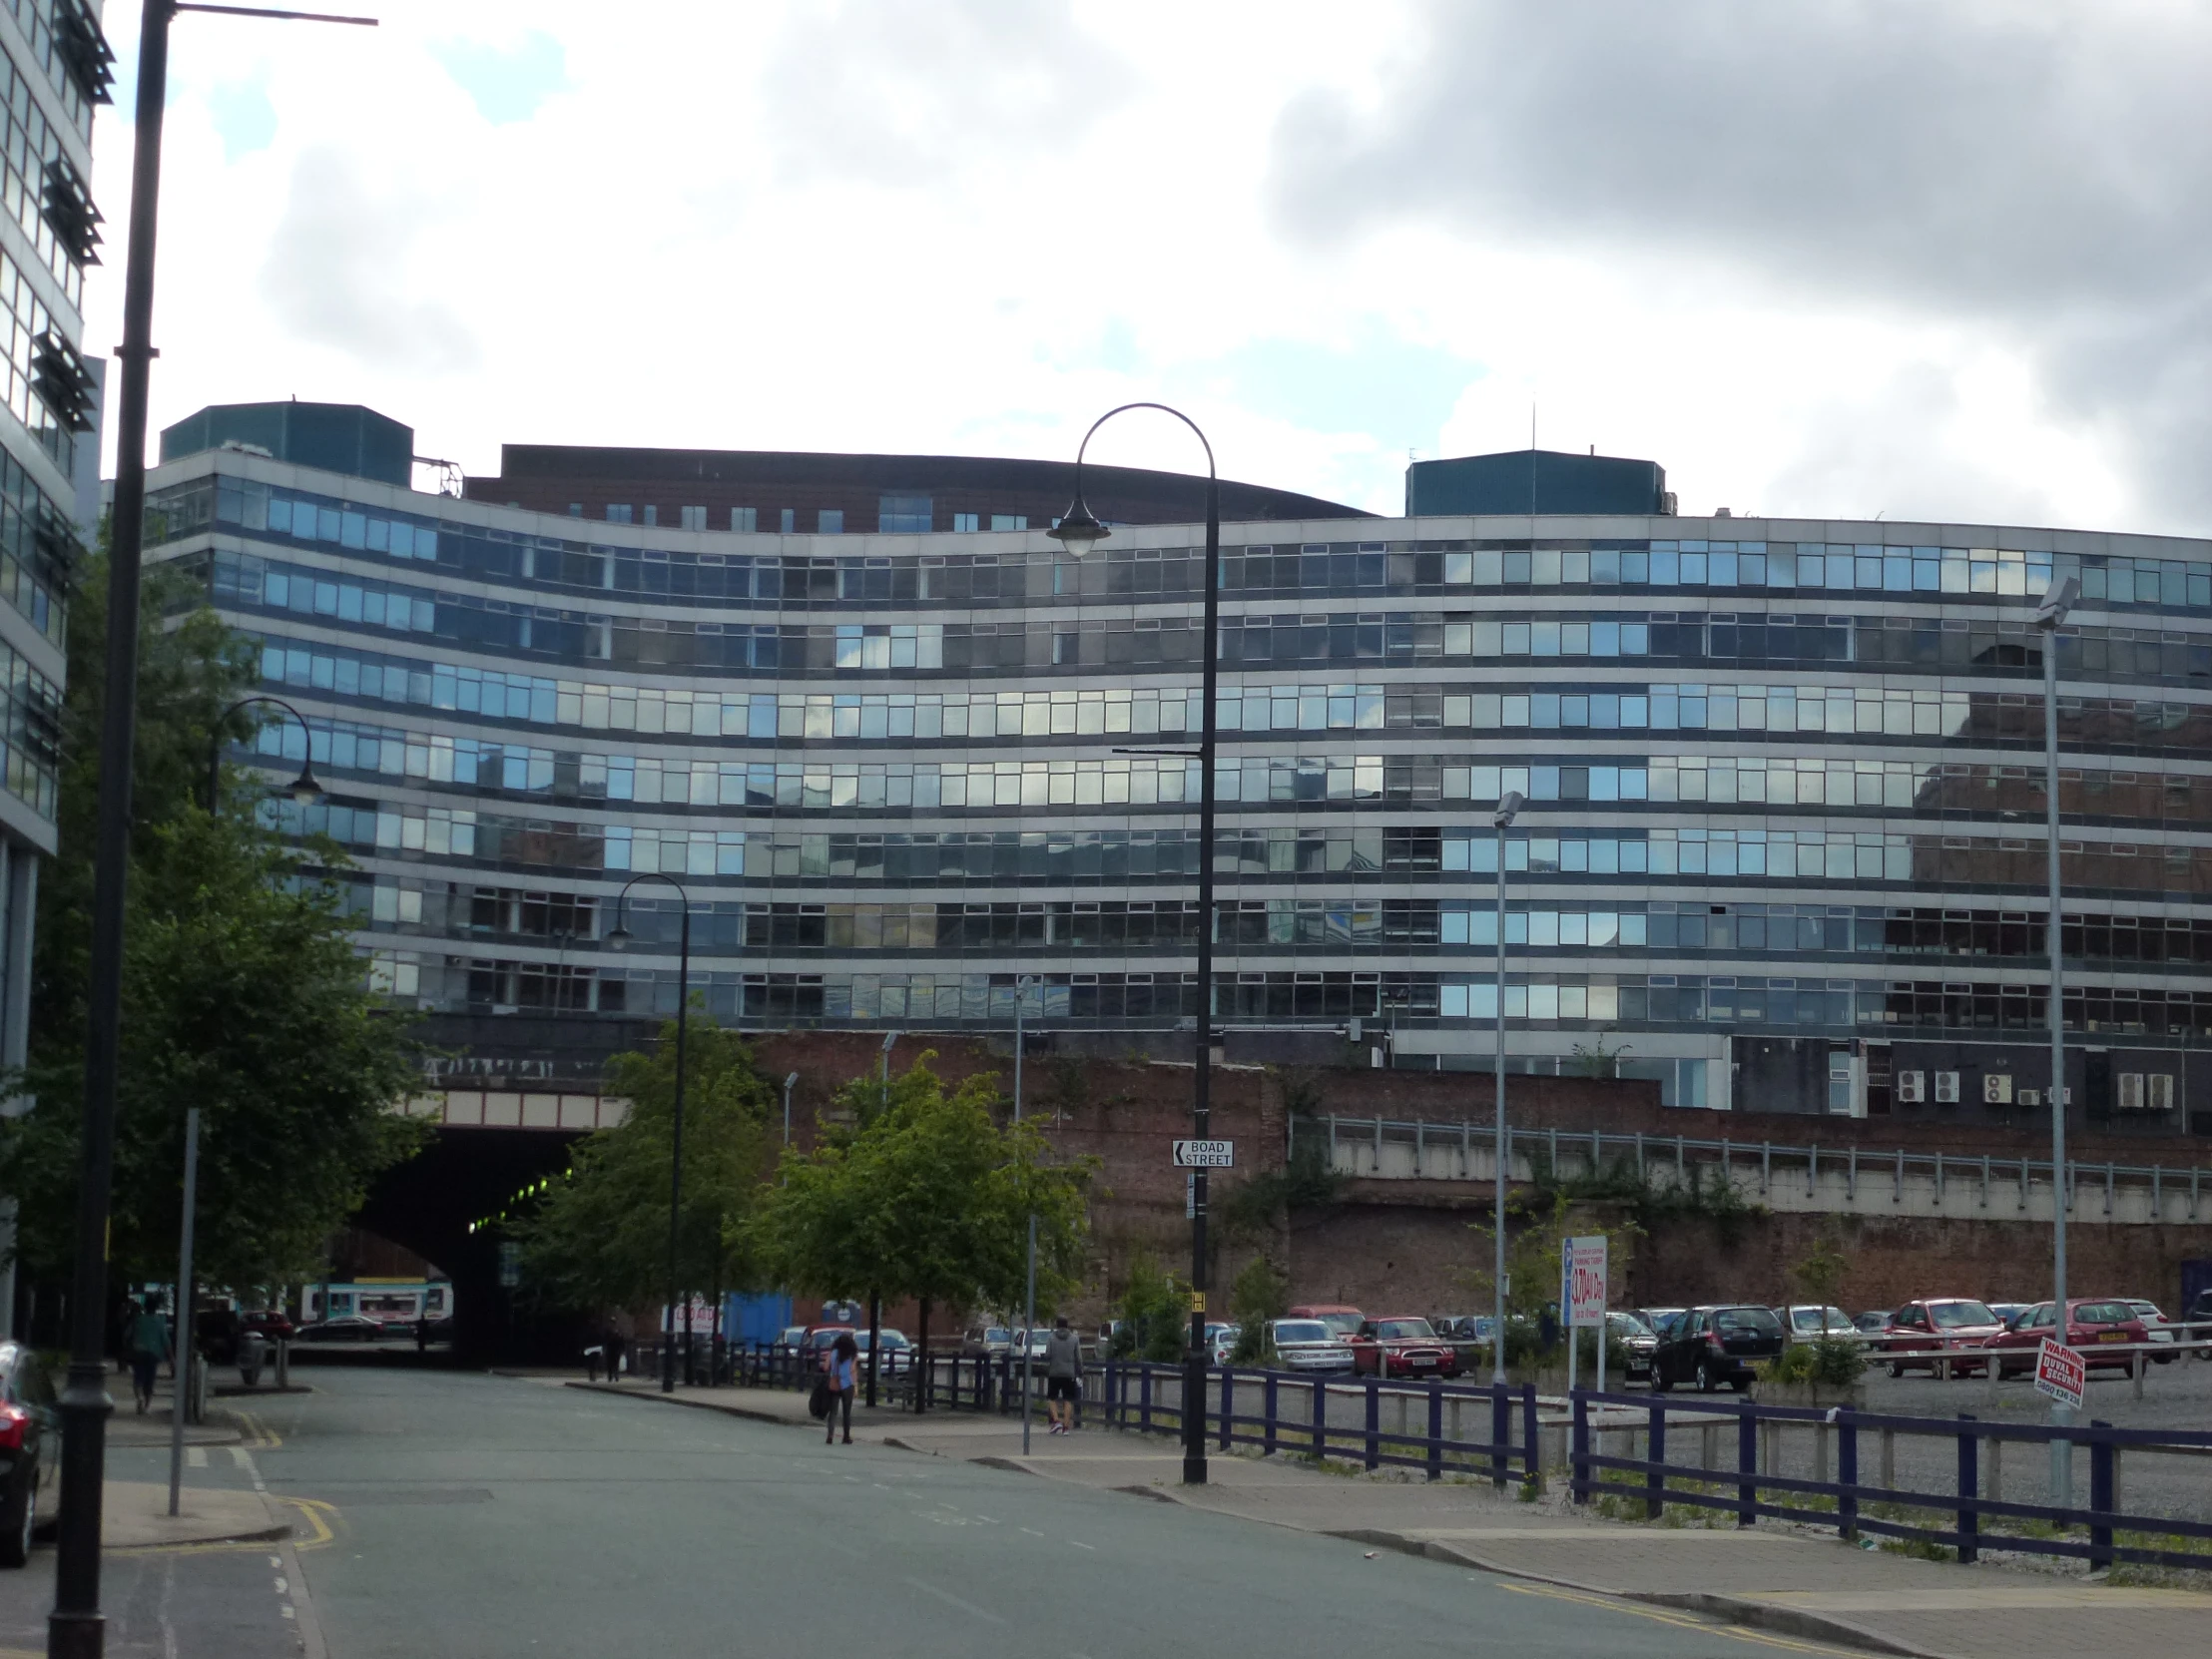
(1784, 847)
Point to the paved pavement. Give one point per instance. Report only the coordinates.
(1775, 1578)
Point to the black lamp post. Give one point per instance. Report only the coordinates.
(620, 940)
(304, 788)
(1080, 531)
(76, 1628)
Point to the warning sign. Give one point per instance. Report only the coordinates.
(1585, 1275)
(2060, 1373)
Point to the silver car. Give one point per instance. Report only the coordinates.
(1309, 1345)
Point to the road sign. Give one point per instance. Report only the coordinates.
(1205, 1153)
(1586, 1282)
(2061, 1372)
(510, 1263)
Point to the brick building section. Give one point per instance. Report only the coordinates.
(1404, 1246)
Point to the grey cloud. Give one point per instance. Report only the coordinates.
(2037, 169)
(898, 95)
(338, 272)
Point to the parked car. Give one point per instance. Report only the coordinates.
(30, 1450)
(1808, 1321)
(345, 1328)
(1872, 1324)
(1343, 1319)
(1660, 1319)
(2162, 1329)
(2008, 1311)
(2091, 1322)
(1308, 1345)
(1221, 1340)
(791, 1336)
(898, 1352)
(1640, 1340)
(271, 1323)
(1464, 1328)
(1713, 1345)
(1935, 1323)
(989, 1340)
(1401, 1345)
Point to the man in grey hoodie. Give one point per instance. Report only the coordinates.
(1063, 1376)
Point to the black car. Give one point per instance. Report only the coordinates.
(30, 1450)
(1713, 1345)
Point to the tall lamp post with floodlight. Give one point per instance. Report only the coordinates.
(304, 788)
(619, 937)
(76, 1628)
(2051, 616)
(1080, 531)
(1503, 820)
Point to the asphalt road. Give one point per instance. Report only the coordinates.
(473, 1516)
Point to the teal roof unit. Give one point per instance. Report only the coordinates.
(332, 437)
(1535, 481)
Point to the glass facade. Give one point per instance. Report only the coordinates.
(1779, 788)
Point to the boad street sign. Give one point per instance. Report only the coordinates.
(2061, 1372)
(1205, 1153)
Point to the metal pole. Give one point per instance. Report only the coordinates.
(2049, 617)
(676, 1155)
(1029, 1291)
(76, 1629)
(1194, 1365)
(1507, 808)
(180, 1347)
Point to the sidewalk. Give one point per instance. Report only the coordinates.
(133, 1514)
(1807, 1586)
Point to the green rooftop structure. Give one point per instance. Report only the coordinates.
(332, 437)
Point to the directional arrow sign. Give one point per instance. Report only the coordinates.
(1205, 1153)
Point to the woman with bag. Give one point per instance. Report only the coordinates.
(840, 1371)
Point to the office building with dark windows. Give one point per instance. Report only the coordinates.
(54, 68)
(1783, 849)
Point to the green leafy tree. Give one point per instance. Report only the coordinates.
(1155, 1308)
(1259, 1293)
(925, 1195)
(242, 993)
(600, 1236)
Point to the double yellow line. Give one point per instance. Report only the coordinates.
(1681, 1621)
(258, 1436)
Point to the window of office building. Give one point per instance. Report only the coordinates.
(746, 519)
(789, 521)
(695, 518)
(904, 515)
(965, 521)
(619, 512)
(1009, 521)
(652, 515)
(575, 509)
(830, 521)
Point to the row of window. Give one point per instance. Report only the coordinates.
(1403, 999)
(35, 19)
(1956, 863)
(31, 145)
(896, 515)
(1807, 567)
(30, 732)
(23, 319)
(1342, 921)
(32, 579)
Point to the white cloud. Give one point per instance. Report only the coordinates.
(856, 225)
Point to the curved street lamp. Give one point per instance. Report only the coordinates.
(1079, 530)
(1508, 809)
(619, 937)
(304, 788)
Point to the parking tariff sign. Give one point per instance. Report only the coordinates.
(2060, 1373)
(1586, 1282)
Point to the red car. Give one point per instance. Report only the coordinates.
(2090, 1323)
(1399, 1344)
(1936, 1322)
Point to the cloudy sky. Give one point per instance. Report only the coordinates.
(1875, 256)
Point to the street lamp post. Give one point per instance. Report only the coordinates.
(1022, 982)
(304, 788)
(1507, 810)
(620, 940)
(790, 1082)
(1079, 531)
(76, 1628)
(2051, 616)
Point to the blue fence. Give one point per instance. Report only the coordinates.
(1748, 1491)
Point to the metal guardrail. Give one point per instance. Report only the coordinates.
(1750, 1492)
(1772, 1160)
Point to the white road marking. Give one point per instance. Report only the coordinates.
(1033, 1532)
(1092, 1547)
(951, 1600)
(237, 1456)
(195, 1457)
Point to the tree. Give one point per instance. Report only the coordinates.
(1261, 1293)
(242, 993)
(926, 1197)
(600, 1236)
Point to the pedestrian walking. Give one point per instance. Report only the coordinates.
(610, 1345)
(843, 1364)
(1063, 1376)
(147, 1342)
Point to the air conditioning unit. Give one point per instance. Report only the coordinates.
(1912, 1087)
(1947, 1088)
(2028, 1097)
(2160, 1091)
(2131, 1091)
(1997, 1088)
